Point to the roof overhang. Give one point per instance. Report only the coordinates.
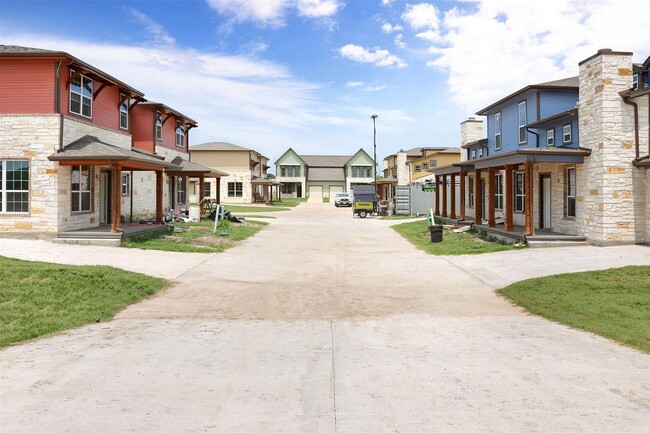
(460, 167)
(551, 155)
(566, 115)
(183, 167)
(482, 142)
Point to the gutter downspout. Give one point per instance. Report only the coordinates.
(536, 137)
(628, 101)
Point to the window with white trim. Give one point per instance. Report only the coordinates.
(566, 134)
(418, 169)
(124, 112)
(570, 192)
(498, 191)
(126, 184)
(235, 189)
(81, 188)
(521, 110)
(520, 192)
(635, 81)
(473, 154)
(290, 170)
(470, 191)
(425, 166)
(14, 186)
(81, 96)
(433, 163)
(181, 190)
(480, 152)
(207, 189)
(180, 135)
(550, 137)
(497, 131)
(362, 171)
(159, 125)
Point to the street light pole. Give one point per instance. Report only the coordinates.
(374, 158)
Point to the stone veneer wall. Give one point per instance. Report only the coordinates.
(243, 176)
(470, 130)
(607, 128)
(74, 129)
(403, 172)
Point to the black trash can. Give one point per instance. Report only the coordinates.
(436, 233)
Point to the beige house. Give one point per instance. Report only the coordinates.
(247, 180)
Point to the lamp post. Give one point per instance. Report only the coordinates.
(374, 157)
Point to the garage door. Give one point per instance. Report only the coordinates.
(333, 191)
(315, 193)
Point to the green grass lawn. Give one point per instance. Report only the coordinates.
(237, 209)
(289, 202)
(614, 303)
(197, 237)
(401, 217)
(41, 298)
(452, 244)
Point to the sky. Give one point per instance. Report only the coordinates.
(308, 74)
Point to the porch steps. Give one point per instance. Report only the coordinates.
(555, 244)
(88, 241)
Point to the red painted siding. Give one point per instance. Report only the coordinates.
(142, 128)
(105, 109)
(169, 136)
(27, 86)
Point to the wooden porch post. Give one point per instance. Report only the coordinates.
(444, 196)
(462, 196)
(452, 193)
(159, 196)
(201, 197)
(118, 197)
(478, 198)
(509, 196)
(437, 207)
(491, 185)
(528, 206)
(218, 198)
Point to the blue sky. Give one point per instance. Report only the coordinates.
(307, 74)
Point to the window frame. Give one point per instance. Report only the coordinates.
(235, 193)
(124, 110)
(522, 194)
(125, 186)
(425, 166)
(473, 154)
(158, 126)
(552, 137)
(89, 191)
(635, 81)
(181, 190)
(180, 135)
(498, 191)
(81, 78)
(497, 131)
(568, 198)
(564, 134)
(417, 168)
(207, 189)
(4, 191)
(360, 171)
(470, 191)
(522, 127)
(433, 163)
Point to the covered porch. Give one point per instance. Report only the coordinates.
(268, 187)
(188, 169)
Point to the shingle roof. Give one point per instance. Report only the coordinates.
(326, 173)
(218, 145)
(16, 49)
(184, 166)
(325, 160)
(167, 108)
(450, 150)
(565, 82)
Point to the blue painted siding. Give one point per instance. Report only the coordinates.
(559, 135)
(556, 101)
(510, 123)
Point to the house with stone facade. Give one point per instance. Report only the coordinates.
(563, 160)
(318, 176)
(247, 181)
(73, 155)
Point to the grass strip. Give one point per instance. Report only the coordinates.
(39, 298)
(613, 303)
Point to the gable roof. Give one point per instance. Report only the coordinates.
(325, 160)
(219, 145)
(164, 107)
(287, 151)
(571, 83)
(326, 173)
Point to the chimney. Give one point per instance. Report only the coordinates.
(470, 130)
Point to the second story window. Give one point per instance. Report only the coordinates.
(124, 112)
(158, 126)
(635, 81)
(473, 153)
(566, 134)
(497, 131)
(81, 96)
(550, 137)
(290, 170)
(523, 135)
(180, 135)
(425, 166)
(365, 171)
(418, 168)
(433, 163)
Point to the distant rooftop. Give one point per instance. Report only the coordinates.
(219, 145)
(325, 160)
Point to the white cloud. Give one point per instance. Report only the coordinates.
(354, 83)
(378, 57)
(158, 33)
(374, 88)
(389, 28)
(422, 15)
(399, 41)
(387, 2)
(273, 12)
(491, 48)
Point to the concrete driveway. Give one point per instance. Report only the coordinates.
(325, 323)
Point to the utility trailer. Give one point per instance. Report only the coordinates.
(365, 200)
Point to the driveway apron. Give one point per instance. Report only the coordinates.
(328, 323)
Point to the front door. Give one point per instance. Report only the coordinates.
(545, 202)
(104, 197)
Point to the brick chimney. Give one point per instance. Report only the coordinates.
(470, 130)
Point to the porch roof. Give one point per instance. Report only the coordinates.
(459, 167)
(188, 168)
(260, 181)
(389, 180)
(89, 150)
(553, 119)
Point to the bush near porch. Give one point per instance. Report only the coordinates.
(39, 298)
(452, 244)
(613, 303)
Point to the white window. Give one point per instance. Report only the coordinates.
(497, 131)
(207, 189)
(470, 191)
(635, 81)
(126, 184)
(235, 189)
(180, 190)
(363, 171)
(124, 112)
(523, 135)
(570, 192)
(433, 163)
(81, 188)
(418, 169)
(290, 170)
(180, 135)
(520, 192)
(81, 96)
(159, 125)
(14, 186)
(498, 191)
(480, 152)
(566, 134)
(473, 153)
(425, 166)
(550, 137)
